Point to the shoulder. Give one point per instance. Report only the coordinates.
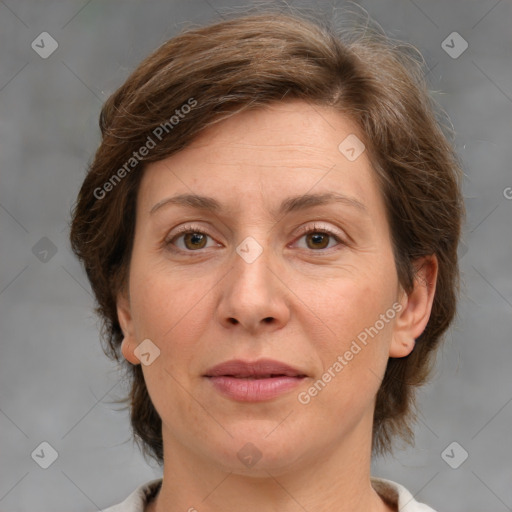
(138, 499)
(398, 496)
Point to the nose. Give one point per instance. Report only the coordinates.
(253, 297)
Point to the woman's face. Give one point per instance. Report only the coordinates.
(267, 274)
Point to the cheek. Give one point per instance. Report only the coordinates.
(174, 313)
(167, 306)
(360, 318)
(352, 370)
(346, 306)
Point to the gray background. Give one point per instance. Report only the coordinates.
(55, 383)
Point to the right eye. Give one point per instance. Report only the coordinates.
(189, 239)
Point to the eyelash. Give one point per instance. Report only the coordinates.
(183, 230)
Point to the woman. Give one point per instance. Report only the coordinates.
(270, 227)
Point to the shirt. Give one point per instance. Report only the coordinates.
(395, 494)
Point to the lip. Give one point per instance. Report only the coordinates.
(256, 381)
(260, 368)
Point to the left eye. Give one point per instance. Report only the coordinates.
(319, 238)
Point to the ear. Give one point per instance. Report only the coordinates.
(416, 307)
(124, 316)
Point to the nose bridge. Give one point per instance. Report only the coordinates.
(253, 295)
(252, 264)
(253, 252)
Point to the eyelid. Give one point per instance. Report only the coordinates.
(184, 228)
(308, 228)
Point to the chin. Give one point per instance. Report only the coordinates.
(257, 454)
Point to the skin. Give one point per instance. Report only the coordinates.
(302, 301)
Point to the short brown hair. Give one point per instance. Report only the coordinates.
(249, 62)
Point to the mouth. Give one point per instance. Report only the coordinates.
(256, 377)
(254, 381)
(262, 369)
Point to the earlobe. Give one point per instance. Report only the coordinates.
(401, 346)
(128, 344)
(416, 307)
(127, 350)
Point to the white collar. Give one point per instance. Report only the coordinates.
(397, 495)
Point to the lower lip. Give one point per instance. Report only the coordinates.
(254, 390)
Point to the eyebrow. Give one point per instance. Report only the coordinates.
(288, 205)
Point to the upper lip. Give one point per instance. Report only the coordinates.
(261, 368)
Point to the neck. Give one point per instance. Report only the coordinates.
(335, 479)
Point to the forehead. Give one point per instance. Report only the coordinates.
(288, 130)
(286, 148)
